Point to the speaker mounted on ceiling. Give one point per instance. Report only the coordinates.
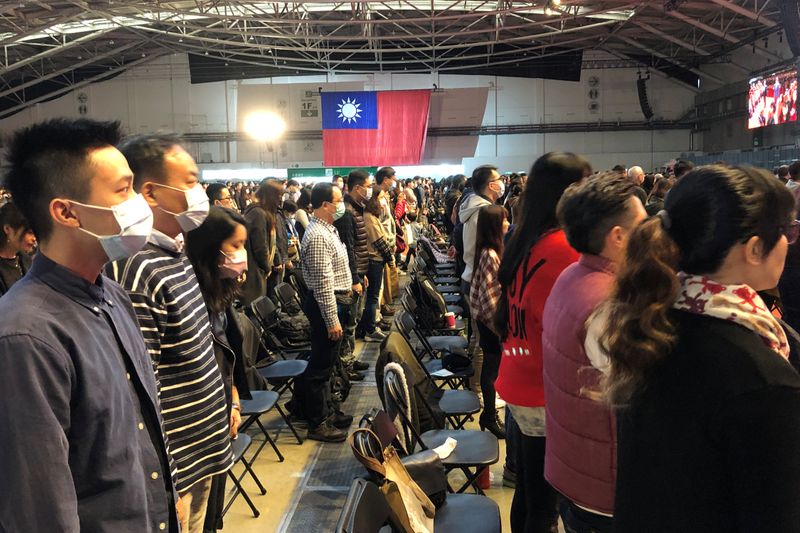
(641, 87)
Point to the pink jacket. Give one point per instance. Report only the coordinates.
(581, 453)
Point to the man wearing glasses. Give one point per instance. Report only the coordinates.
(220, 195)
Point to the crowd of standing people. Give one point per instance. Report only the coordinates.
(638, 328)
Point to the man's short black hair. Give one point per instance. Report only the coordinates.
(794, 171)
(588, 210)
(289, 207)
(383, 173)
(292, 183)
(682, 167)
(355, 178)
(619, 168)
(145, 154)
(214, 191)
(481, 177)
(783, 171)
(321, 193)
(50, 160)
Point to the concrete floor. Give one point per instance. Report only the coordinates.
(284, 481)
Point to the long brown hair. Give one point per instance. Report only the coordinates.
(707, 212)
(490, 231)
(269, 195)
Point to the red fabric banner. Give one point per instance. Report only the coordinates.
(399, 138)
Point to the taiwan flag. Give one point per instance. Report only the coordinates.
(374, 128)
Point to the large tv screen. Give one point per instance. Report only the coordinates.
(772, 99)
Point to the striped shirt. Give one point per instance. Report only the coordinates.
(325, 269)
(174, 321)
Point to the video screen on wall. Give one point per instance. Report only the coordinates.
(772, 99)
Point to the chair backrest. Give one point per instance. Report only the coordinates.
(288, 297)
(379, 422)
(266, 312)
(394, 385)
(365, 510)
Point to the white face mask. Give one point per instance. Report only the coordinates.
(135, 221)
(235, 264)
(196, 207)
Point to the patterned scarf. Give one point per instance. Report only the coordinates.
(737, 303)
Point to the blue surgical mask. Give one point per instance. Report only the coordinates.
(339, 211)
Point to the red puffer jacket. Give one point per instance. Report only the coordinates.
(580, 459)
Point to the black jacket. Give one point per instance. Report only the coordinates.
(711, 445)
(257, 247)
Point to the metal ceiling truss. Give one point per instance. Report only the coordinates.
(63, 43)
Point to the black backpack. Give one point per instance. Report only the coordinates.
(431, 306)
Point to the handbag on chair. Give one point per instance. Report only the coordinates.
(410, 510)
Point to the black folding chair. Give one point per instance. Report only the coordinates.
(475, 449)
(240, 446)
(433, 366)
(461, 512)
(410, 304)
(261, 402)
(438, 279)
(365, 510)
(283, 373)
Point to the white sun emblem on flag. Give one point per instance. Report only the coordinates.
(349, 110)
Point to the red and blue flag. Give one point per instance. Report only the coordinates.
(374, 128)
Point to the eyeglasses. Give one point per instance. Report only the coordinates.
(792, 231)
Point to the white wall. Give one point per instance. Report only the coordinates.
(159, 96)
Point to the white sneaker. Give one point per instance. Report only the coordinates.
(375, 336)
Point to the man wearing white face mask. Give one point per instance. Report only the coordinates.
(173, 319)
(72, 360)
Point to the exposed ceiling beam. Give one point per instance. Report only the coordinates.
(52, 51)
(703, 26)
(70, 68)
(727, 4)
(10, 111)
(656, 53)
(670, 38)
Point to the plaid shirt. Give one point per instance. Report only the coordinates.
(323, 259)
(485, 288)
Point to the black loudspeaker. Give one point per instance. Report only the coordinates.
(641, 86)
(790, 13)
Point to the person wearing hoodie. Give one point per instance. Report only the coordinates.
(488, 188)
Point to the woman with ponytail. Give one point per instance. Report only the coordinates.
(708, 404)
(535, 255)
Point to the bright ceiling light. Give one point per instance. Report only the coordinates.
(264, 126)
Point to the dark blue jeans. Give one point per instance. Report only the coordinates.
(324, 352)
(375, 279)
(577, 520)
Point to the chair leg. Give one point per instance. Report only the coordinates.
(268, 439)
(472, 479)
(289, 423)
(240, 490)
(249, 470)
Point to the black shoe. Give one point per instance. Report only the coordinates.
(387, 311)
(355, 376)
(325, 432)
(340, 420)
(494, 425)
(385, 325)
(359, 366)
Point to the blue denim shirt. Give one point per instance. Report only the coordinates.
(81, 442)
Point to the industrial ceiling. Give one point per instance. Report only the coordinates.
(52, 47)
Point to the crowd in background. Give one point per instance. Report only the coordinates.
(638, 328)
